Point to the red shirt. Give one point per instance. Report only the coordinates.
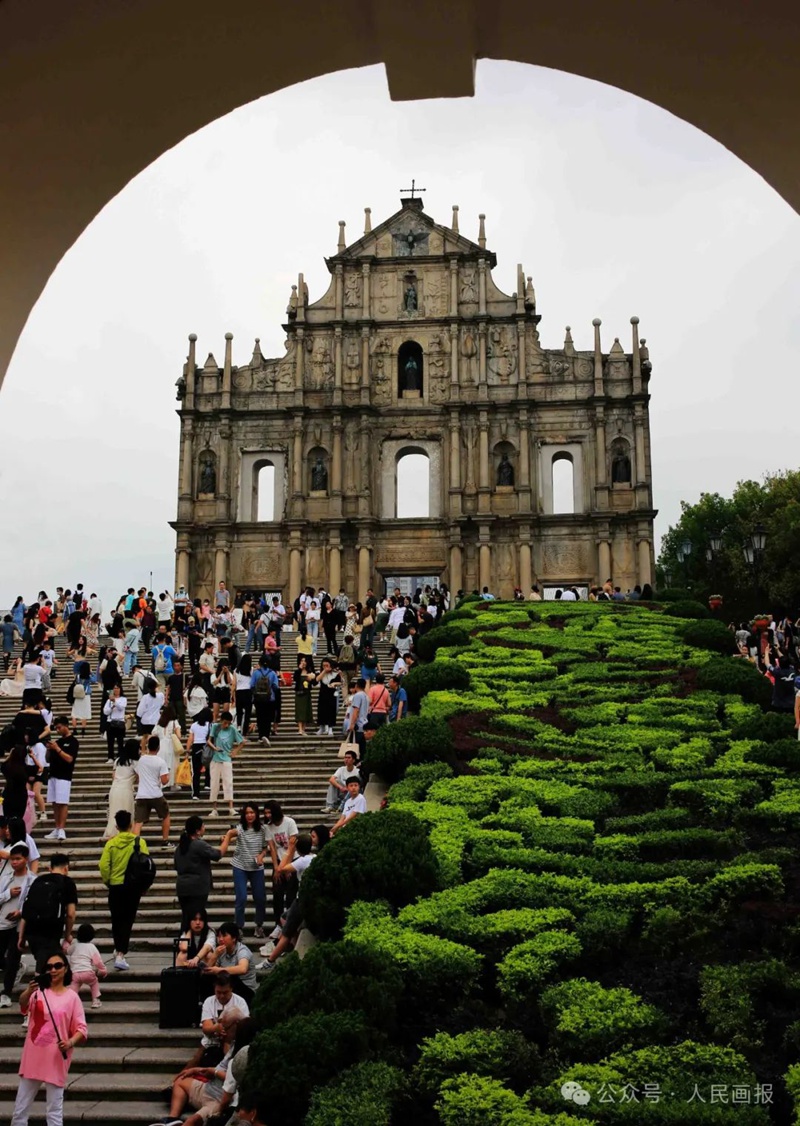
(45, 614)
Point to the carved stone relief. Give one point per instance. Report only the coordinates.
(385, 292)
(469, 356)
(350, 454)
(352, 290)
(352, 361)
(260, 565)
(468, 291)
(319, 368)
(501, 354)
(436, 289)
(438, 368)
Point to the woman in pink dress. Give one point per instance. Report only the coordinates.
(56, 1025)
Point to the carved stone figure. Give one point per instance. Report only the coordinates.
(180, 383)
(505, 471)
(412, 377)
(469, 287)
(620, 465)
(410, 298)
(319, 476)
(644, 358)
(469, 350)
(352, 291)
(208, 473)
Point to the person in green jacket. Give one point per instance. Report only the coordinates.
(122, 902)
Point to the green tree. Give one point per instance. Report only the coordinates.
(775, 504)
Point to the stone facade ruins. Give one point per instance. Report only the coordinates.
(414, 349)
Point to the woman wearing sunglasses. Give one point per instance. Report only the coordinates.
(56, 1025)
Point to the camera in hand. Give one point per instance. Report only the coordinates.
(43, 979)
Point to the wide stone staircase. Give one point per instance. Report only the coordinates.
(121, 1074)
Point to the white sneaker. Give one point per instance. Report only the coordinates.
(96, 1004)
(24, 1022)
(212, 813)
(62, 836)
(121, 964)
(267, 949)
(5, 1001)
(276, 934)
(52, 835)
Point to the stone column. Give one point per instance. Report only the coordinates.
(221, 563)
(295, 576)
(482, 360)
(456, 577)
(525, 568)
(645, 575)
(484, 486)
(334, 569)
(339, 289)
(603, 561)
(521, 359)
(336, 459)
(226, 373)
(365, 291)
(299, 360)
(182, 556)
(187, 457)
(485, 562)
(364, 572)
(455, 465)
(223, 487)
(600, 448)
(638, 429)
(453, 359)
(453, 288)
(365, 366)
(191, 364)
(524, 482)
(482, 286)
(337, 365)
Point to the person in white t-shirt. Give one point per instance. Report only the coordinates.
(356, 803)
(294, 917)
(220, 1014)
(153, 775)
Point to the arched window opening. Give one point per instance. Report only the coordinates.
(409, 370)
(264, 489)
(413, 485)
(563, 484)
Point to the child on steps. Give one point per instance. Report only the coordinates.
(86, 963)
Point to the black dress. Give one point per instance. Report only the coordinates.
(326, 704)
(15, 795)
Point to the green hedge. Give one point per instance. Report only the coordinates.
(436, 677)
(733, 676)
(496, 1054)
(474, 1100)
(366, 1094)
(588, 1020)
(687, 609)
(710, 635)
(766, 728)
(439, 637)
(396, 746)
(379, 856)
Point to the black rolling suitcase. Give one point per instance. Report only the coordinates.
(179, 996)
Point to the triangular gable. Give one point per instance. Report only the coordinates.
(408, 220)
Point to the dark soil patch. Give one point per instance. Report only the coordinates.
(556, 623)
(553, 716)
(466, 727)
(489, 640)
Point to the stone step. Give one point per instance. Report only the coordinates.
(112, 1058)
(78, 1111)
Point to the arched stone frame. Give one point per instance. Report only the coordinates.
(252, 462)
(311, 457)
(572, 451)
(620, 445)
(406, 349)
(392, 450)
(500, 448)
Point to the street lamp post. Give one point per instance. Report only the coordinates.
(754, 546)
(684, 550)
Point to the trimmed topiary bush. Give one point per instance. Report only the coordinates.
(497, 1054)
(782, 752)
(384, 856)
(588, 1021)
(364, 1095)
(474, 1100)
(526, 967)
(730, 675)
(397, 746)
(439, 637)
(766, 728)
(436, 677)
(709, 635)
(687, 609)
(286, 1062)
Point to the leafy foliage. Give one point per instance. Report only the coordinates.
(396, 746)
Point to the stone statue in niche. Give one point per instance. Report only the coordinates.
(644, 358)
(505, 472)
(208, 473)
(620, 465)
(410, 297)
(319, 477)
(412, 377)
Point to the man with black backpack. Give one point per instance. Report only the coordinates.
(264, 686)
(127, 871)
(48, 914)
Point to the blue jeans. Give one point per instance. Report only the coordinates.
(256, 881)
(131, 659)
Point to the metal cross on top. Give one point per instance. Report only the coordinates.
(413, 189)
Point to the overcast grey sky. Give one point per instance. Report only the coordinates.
(614, 206)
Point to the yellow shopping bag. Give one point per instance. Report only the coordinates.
(183, 775)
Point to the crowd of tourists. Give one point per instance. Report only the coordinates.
(176, 686)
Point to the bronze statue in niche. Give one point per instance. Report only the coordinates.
(620, 464)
